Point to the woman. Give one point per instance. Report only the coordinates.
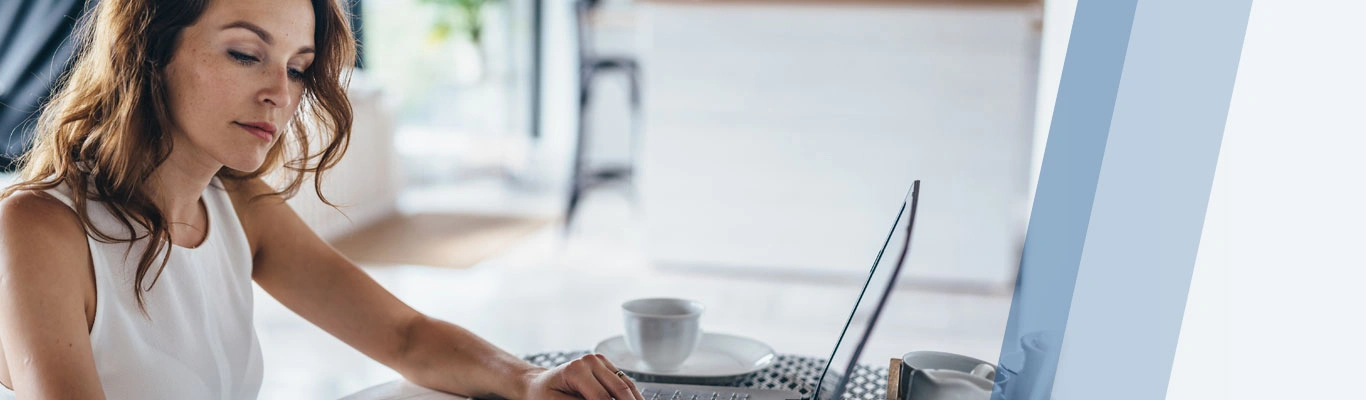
(128, 246)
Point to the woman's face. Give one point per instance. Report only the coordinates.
(235, 79)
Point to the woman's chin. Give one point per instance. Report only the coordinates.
(245, 165)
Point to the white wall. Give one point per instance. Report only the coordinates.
(1274, 306)
(785, 136)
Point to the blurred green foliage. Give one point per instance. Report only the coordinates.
(463, 16)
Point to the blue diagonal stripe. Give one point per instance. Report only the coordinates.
(1112, 239)
(1150, 201)
(1066, 189)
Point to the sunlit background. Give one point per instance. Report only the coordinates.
(749, 154)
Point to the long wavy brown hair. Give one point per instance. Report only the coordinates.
(107, 125)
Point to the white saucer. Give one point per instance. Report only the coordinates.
(717, 356)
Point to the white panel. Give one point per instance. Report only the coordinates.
(785, 136)
(1273, 311)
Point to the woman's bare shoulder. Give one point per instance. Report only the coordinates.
(42, 241)
(48, 288)
(30, 216)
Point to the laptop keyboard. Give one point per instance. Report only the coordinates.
(682, 394)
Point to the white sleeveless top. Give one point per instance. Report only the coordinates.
(199, 342)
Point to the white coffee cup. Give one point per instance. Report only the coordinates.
(662, 332)
(948, 384)
(939, 375)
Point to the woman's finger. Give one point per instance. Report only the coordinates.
(581, 378)
(616, 384)
(629, 382)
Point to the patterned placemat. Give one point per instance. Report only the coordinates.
(788, 372)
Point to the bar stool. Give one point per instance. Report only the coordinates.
(587, 175)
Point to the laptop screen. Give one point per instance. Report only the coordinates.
(886, 267)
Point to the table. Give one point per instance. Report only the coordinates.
(789, 372)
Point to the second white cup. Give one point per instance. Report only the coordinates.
(662, 332)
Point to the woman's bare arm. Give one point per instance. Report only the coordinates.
(311, 278)
(46, 284)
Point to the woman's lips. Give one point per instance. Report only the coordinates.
(260, 133)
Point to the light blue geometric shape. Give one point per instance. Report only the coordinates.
(1063, 199)
(1121, 199)
(1150, 201)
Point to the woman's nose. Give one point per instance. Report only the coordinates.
(276, 92)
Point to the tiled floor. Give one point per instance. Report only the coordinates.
(552, 293)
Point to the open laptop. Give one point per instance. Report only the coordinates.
(835, 379)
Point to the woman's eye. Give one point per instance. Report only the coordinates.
(242, 58)
(245, 59)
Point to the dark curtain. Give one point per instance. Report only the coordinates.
(34, 50)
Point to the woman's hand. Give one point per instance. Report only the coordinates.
(590, 377)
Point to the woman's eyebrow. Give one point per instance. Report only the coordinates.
(265, 36)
